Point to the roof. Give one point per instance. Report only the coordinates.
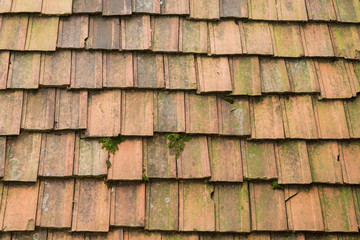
(266, 89)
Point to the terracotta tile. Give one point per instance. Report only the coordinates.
(55, 203)
(302, 75)
(162, 205)
(100, 27)
(4, 68)
(321, 10)
(256, 38)
(299, 117)
(42, 33)
(113, 7)
(224, 38)
(57, 154)
(175, 7)
(193, 36)
(258, 160)
(127, 163)
(149, 70)
(18, 206)
(179, 236)
(194, 161)
(245, 73)
(5, 6)
(13, 31)
(57, 7)
(39, 109)
(73, 31)
(196, 207)
(220, 236)
(118, 70)
(10, 109)
(39, 234)
(321, 236)
(136, 32)
(225, 167)
(356, 194)
(329, 114)
(266, 118)
(232, 207)
(146, 6)
(234, 8)
(89, 158)
(5, 236)
(324, 162)
(350, 161)
(293, 162)
(65, 235)
(138, 235)
(2, 155)
(317, 41)
(128, 205)
(267, 202)
(264, 10)
(204, 9)
(288, 236)
(287, 40)
(180, 72)
(137, 113)
(347, 11)
(165, 34)
(352, 110)
(213, 74)
(24, 70)
(338, 209)
(346, 40)
(86, 69)
(87, 6)
(55, 69)
(91, 206)
(26, 6)
(290, 10)
(274, 75)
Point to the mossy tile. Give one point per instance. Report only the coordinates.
(42, 33)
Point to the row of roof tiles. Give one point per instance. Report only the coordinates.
(176, 34)
(90, 205)
(283, 10)
(243, 75)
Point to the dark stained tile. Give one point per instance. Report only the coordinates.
(56, 7)
(55, 69)
(179, 236)
(146, 6)
(350, 162)
(10, 109)
(13, 31)
(256, 38)
(4, 68)
(221, 236)
(136, 32)
(141, 235)
(176, 7)
(264, 10)
(165, 34)
(2, 155)
(193, 36)
(87, 6)
(5, 7)
(42, 33)
(317, 40)
(73, 31)
(39, 234)
(347, 11)
(288, 236)
(254, 236)
(180, 71)
(346, 40)
(290, 10)
(19, 6)
(118, 70)
(149, 70)
(204, 9)
(287, 40)
(352, 110)
(234, 8)
(224, 38)
(302, 75)
(274, 75)
(114, 7)
(100, 27)
(321, 10)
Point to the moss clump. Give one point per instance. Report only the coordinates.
(275, 185)
(229, 100)
(177, 143)
(108, 163)
(145, 178)
(111, 144)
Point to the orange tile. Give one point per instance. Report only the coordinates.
(234, 8)
(224, 38)
(140, 235)
(180, 71)
(193, 36)
(347, 11)
(352, 110)
(5, 6)
(113, 7)
(73, 31)
(179, 236)
(71, 109)
(2, 155)
(22, 157)
(256, 38)
(321, 10)
(274, 75)
(56, 7)
(290, 10)
(4, 68)
(118, 70)
(55, 203)
(346, 40)
(99, 27)
(13, 31)
(11, 103)
(196, 207)
(149, 70)
(165, 34)
(18, 206)
(39, 235)
(87, 6)
(42, 33)
(194, 160)
(104, 113)
(146, 6)
(176, 7)
(19, 6)
(137, 113)
(264, 10)
(350, 152)
(128, 205)
(136, 33)
(287, 40)
(204, 9)
(267, 202)
(232, 207)
(162, 205)
(317, 40)
(91, 206)
(39, 109)
(57, 154)
(127, 162)
(302, 75)
(55, 69)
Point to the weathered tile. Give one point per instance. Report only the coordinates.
(204, 9)
(288, 236)
(65, 235)
(38, 234)
(86, 69)
(149, 70)
(141, 235)
(338, 208)
(180, 72)
(18, 206)
(169, 114)
(193, 36)
(354, 70)
(287, 40)
(265, 202)
(5, 236)
(115, 7)
(201, 114)
(258, 160)
(55, 69)
(194, 161)
(137, 113)
(13, 31)
(4, 68)
(10, 109)
(274, 75)
(213, 74)
(73, 31)
(347, 11)
(352, 110)
(221, 236)
(42, 33)
(91, 206)
(324, 162)
(128, 205)
(179, 236)
(118, 70)
(356, 194)
(127, 162)
(234, 8)
(321, 10)
(26, 6)
(136, 32)
(350, 152)
(24, 70)
(346, 40)
(196, 207)
(146, 6)
(266, 118)
(264, 10)
(302, 74)
(56, 7)
(87, 6)
(89, 158)
(162, 205)
(290, 10)
(175, 7)
(317, 41)
(299, 117)
(165, 34)
(256, 38)
(225, 167)
(293, 162)
(100, 27)
(55, 203)
(2, 155)
(5, 7)
(224, 38)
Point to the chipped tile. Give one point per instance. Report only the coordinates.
(11, 103)
(136, 33)
(91, 206)
(5, 7)
(204, 9)
(193, 36)
(115, 7)
(224, 38)
(128, 205)
(13, 31)
(317, 40)
(302, 75)
(287, 40)
(175, 7)
(100, 27)
(180, 72)
(165, 31)
(346, 40)
(290, 10)
(350, 152)
(73, 31)
(162, 205)
(118, 70)
(347, 11)
(234, 8)
(87, 6)
(42, 33)
(19, 6)
(321, 10)
(55, 69)
(264, 10)
(352, 110)
(256, 38)
(274, 75)
(4, 68)
(146, 6)
(137, 235)
(149, 70)
(56, 7)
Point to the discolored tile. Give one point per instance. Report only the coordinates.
(165, 34)
(11, 103)
(100, 27)
(73, 31)
(55, 69)
(193, 36)
(204, 9)
(224, 38)
(13, 30)
(114, 7)
(42, 32)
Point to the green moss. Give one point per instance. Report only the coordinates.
(145, 178)
(108, 163)
(229, 100)
(275, 185)
(111, 144)
(177, 143)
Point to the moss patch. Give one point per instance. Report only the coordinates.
(177, 143)
(111, 144)
(229, 100)
(275, 185)
(145, 178)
